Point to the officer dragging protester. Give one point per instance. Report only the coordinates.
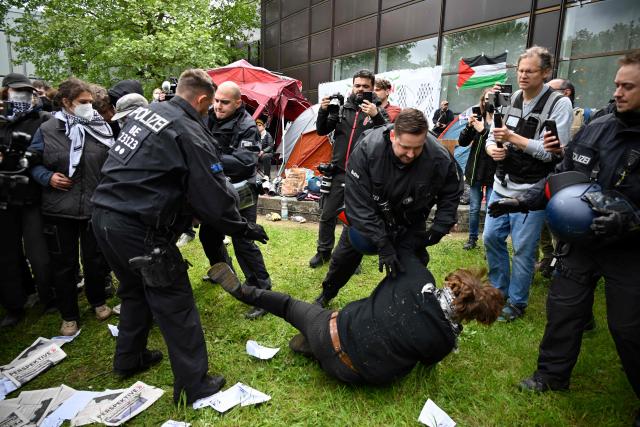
(395, 175)
(594, 209)
(161, 172)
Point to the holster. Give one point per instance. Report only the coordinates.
(162, 266)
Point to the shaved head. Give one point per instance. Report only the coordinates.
(230, 89)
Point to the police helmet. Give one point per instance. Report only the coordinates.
(361, 243)
(569, 215)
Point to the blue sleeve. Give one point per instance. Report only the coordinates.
(40, 173)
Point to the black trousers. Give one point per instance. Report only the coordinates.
(12, 293)
(345, 259)
(247, 252)
(311, 320)
(63, 237)
(569, 305)
(121, 238)
(265, 164)
(329, 204)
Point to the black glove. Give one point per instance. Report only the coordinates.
(256, 232)
(388, 260)
(609, 224)
(616, 216)
(432, 237)
(505, 206)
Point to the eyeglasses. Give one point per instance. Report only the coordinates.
(528, 72)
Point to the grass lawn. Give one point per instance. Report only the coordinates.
(475, 386)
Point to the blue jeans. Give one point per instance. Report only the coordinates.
(525, 233)
(474, 208)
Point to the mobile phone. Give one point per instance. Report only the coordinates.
(506, 89)
(6, 108)
(367, 96)
(550, 126)
(477, 112)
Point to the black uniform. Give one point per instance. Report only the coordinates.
(21, 219)
(239, 144)
(388, 201)
(163, 161)
(443, 117)
(346, 132)
(610, 144)
(384, 335)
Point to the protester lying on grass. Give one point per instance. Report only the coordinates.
(379, 339)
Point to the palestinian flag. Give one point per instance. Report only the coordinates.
(482, 71)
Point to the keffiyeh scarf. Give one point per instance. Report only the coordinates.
(445, 298)
(75, 129)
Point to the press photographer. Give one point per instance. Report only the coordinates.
(20, 218)
(360, 111)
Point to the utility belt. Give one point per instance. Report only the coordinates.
(335, 341)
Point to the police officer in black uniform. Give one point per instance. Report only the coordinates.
(606, 151)
(162, 171)
(396, 174)
(238, 140)
(347, 124)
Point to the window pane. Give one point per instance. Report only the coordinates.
(593, 79)
(460, 101)
(347, 66)
(417, 54)
(605, 26)
(492, 40)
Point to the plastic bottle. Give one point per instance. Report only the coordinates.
(284, 209)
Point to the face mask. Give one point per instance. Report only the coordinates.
(84, 111)
(20, 96)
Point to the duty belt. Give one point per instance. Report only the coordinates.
(335, 340)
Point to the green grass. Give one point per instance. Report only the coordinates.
(475, 386)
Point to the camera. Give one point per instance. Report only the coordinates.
(14, 161)
(327, 170)
(335, 102)
(499, 99)
(169, 88)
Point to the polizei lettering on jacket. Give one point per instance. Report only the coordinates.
(150, 119)
(581, 158)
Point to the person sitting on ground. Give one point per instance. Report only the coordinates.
(379, 339)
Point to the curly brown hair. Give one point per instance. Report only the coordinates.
(70, 89)
(475, 298)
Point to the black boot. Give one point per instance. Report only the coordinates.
(471, 244)
(299, 344)
(319, 258)
(148, 358)
(322, 300)
(222, 273)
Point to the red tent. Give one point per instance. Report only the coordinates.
(278, 97)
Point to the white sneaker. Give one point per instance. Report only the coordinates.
(116, 309)
(184, 240)
(226, 241)
(69, 328)
(103, 312)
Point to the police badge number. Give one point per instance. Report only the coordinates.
(143, 122)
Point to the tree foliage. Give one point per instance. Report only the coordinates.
(104, 41)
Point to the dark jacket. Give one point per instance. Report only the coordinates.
(266, 143)
(480, 166)
(51, 140)
(443, 117)
(606, 142)
(163, 162)
(388, 333)
(123, 88)
(29, 124)
(346, 135)
(238, 139)
(433, 178)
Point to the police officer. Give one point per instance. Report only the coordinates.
(161, 172)
(607, 151)
(396, 174)
(238, 140)
(357, 115)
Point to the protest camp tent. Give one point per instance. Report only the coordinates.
(278, 97)
(302, 146)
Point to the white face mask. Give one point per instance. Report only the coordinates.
(84, 111)
(20, 96)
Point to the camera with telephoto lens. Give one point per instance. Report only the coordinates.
(169, 88)
(327, 170)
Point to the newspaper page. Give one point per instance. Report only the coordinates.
(91, 410)
(10, 415)
(60, 395)
(38, 344)
(128, 404)
(31, 365)
(33, 404)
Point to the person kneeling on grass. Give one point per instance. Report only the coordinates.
(381, 338)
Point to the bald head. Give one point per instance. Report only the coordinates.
(227, 100)
(564, 86)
